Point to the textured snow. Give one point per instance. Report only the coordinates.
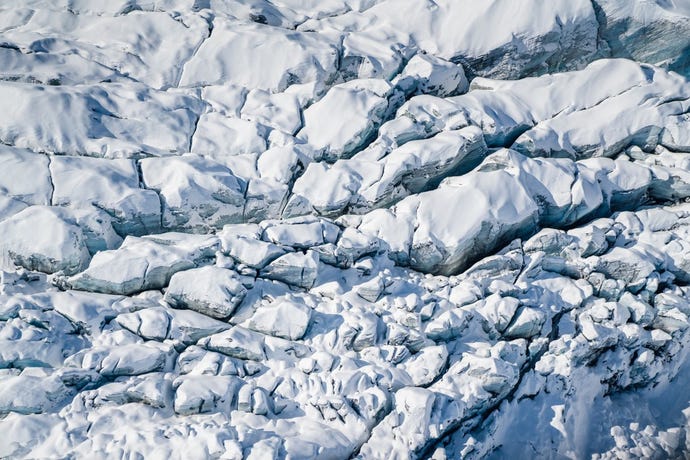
(344, 229)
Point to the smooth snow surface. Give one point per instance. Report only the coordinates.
(373, 229)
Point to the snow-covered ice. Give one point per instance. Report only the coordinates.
(344, 229)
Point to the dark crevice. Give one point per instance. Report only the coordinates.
(602, 43)
(181, 66)
(51, 199)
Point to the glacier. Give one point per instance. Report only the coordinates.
(371, 229)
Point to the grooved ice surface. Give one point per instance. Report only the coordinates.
(344, 229)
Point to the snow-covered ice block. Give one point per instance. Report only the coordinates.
(39, 238)
(663, 25)
(259, 56)
(364, 184)
(247, 250)
(203, 394)
(112, 121)
(210, 290)
(427, 74)
(295, 269)
(286, 319)
(111, 185)
(345, 118)
(237, 342)
(485, 37)
(144, 263)
(196, 193)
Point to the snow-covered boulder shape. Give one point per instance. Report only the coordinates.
(143, 263)
(149, 323)
(298, 235)
(295, 268)
(210, 290)
(196, 193)
(237, 342)
(345, 118)
(427, 74)
(245, 247)
(259, 56)
(506, 108)
(644, 116)
(126, 359)
(457, 223)
(653, 32)
(161, 323)
(287, 319)
(111, 185)
(498, 38)
(112, 121)
(197, 394)
(39, 238)
(284, 163)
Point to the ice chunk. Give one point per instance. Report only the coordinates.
(259, 56)
(196, 193)
(353, 111)
(286, 319)
(237, 342)
(142, 263)
(297, 269)
(111, 185)
(38, 238)
(210, 290)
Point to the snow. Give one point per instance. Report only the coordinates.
(241, 53)
(427, 74)
(344, 229)
(26, 244)
(111, 185)
(280, 111)
(219, 137)
(195, 192)
(113, 122)
(212, 291)
(355, 108)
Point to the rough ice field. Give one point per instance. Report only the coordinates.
(373, 229)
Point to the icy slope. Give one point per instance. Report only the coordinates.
(344, 229)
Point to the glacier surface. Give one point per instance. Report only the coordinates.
(373, 229)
